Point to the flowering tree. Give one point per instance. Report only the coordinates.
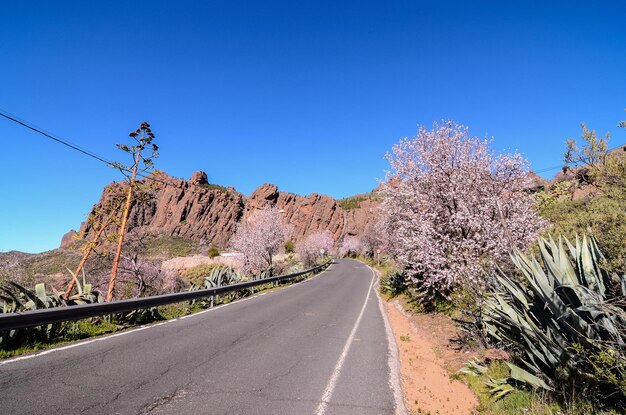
(452, 208)
(259, 238)
(311, 248)
(140, 276)
(371, 240)
(351, 246)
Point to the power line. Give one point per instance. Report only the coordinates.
(546, 169)
(93, 155)
(74, 147)
(58, 140)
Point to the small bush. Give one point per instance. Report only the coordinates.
(213, 252)
(211, 186)
(290, 247)
(603, 214)
(518, 401)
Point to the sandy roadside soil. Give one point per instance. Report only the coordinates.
(426, 360)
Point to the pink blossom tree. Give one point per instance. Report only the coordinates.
(310, 250)
(371, 239)
(453, 208)
(351, 246)
(259, 239)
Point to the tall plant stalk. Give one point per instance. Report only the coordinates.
(143, 137)
(89, 248)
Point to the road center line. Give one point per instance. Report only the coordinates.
(332, 383)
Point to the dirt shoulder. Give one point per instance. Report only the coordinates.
(427, 359)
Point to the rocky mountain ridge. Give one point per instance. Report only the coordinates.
(209, 214)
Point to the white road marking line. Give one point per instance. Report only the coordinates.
(125, 332)
(332, 383)
(393, 361)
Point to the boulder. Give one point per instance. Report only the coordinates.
(199, 177)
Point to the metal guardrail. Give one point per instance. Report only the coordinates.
(32, 318)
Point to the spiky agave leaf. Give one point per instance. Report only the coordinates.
(473, 368)
(76, 283)
(524, 376)
(566, 300)
(499, 388)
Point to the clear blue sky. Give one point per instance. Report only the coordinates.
(306, 95)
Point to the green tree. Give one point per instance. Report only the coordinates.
(589, 155)
(601, 210)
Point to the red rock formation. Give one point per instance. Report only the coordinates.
(69, 238)
(203, 212)
(536, 182)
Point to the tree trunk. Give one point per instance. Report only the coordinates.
(122, 229)
(90, 247)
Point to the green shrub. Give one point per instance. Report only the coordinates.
(211, 186)
(595, 200)
(290, 247)
(213, 251)
(393, 283)
(170, 247)
(603, 215)
(515, 401)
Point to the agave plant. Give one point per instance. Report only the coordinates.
(218, 277)
(84, 294)
(557, 313)
(17, 298)
(394, 283)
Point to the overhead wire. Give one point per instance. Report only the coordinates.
(93, 155)
(546, 169)
(75, 147)
(55, 138)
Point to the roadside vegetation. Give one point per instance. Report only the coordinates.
(170, 247)
(15, 297)
(112, 261)
(537, 272)
(354, 202)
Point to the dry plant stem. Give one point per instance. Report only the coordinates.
(89, 248)
(122, 229)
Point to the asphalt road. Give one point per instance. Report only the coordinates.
(316, 347)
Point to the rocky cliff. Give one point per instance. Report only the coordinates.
(200, 211)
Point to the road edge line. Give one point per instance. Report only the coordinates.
(393, 360)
